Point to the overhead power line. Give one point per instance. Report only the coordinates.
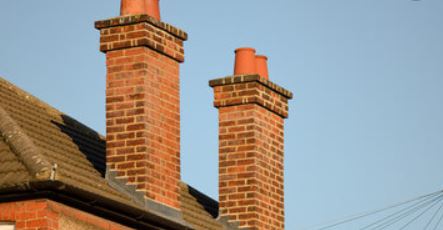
(401, 214)
(422, 213)
(439, 221)
(433, 216)
(415, 204)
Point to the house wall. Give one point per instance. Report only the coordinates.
(50, 215)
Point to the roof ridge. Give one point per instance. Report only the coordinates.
(48, 108)
(23, 147)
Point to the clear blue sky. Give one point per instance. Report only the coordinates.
(365, 129)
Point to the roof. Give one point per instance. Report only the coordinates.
(200, 210)
(40, 144)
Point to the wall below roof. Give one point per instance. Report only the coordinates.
(42, 213)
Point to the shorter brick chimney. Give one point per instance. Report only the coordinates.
(252, 110)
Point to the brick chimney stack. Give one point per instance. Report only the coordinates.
(142, 100)
(252, 110)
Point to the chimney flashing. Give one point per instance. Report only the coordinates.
(138, 197)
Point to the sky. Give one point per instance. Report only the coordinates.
(366, 125)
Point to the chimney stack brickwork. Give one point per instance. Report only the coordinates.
(143, 104)
(251, 135)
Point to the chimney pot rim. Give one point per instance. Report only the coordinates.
(262, 57)
(245, 49)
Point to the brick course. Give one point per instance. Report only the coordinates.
(143, 104)
(251, 146)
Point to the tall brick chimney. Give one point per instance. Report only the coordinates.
(252, 110)
(142, 100)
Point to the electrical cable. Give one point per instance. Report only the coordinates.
(421, 214)
(405, 215)
(387, 219)
(433, 216)
(439, 221)
(369, 213)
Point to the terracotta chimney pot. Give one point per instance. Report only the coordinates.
(153, 8)
(262, 66)
(132, 7)
(136, 7)
(245, 61)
